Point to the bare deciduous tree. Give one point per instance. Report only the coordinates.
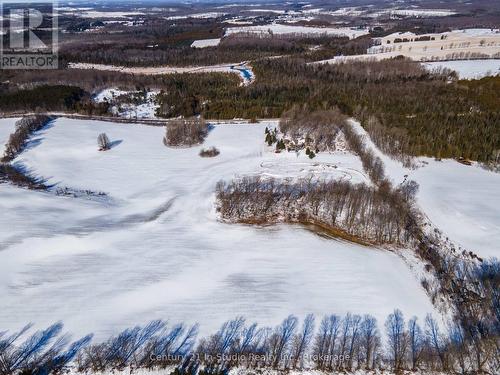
(397, 338)
(103, 143)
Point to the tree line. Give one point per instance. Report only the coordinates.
(336, 343)
(24, 128)
(16, 143)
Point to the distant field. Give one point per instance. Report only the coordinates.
(280, 29)
(455, 45)
(468, 69)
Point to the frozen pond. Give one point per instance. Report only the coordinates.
(153, 247)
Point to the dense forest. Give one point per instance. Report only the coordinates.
(157, 46)
(407, 110)
(44, 97)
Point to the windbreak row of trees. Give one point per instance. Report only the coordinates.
(24, 128)
(16, 143)
(19, 177)
(334, 344)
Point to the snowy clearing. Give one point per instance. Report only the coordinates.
(468, 69)
(275, 28)
(197, 15)
(375, 13)
(7, 127)
(422, 12)
(462, 201)
(152, 247)
(202, 43)
(103, 14)
(146, 108)
(242, 69)
(454, 45)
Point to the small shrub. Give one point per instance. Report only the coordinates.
(271, 137)
(209, 152)
(103, 142)
(280, 145)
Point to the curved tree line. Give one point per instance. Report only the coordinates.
(457, 280)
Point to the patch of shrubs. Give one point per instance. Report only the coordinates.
(186, 132)
(310, 153)
(271, 136)
(209, 152)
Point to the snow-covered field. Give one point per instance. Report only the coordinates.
(197, 15)
(275, 28)
(468, 69)
(462, 201)
(202, 43)
(152, 247)
(242, 69)
(369, 11)
(453, 45)
(421, 12)
(105, 14)
(7, 126)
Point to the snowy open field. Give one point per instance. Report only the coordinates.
(453, 45)
(202, 43)
(244, 70)
(294, 29)
(462, 201)
(468, 69)
(153, 247)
